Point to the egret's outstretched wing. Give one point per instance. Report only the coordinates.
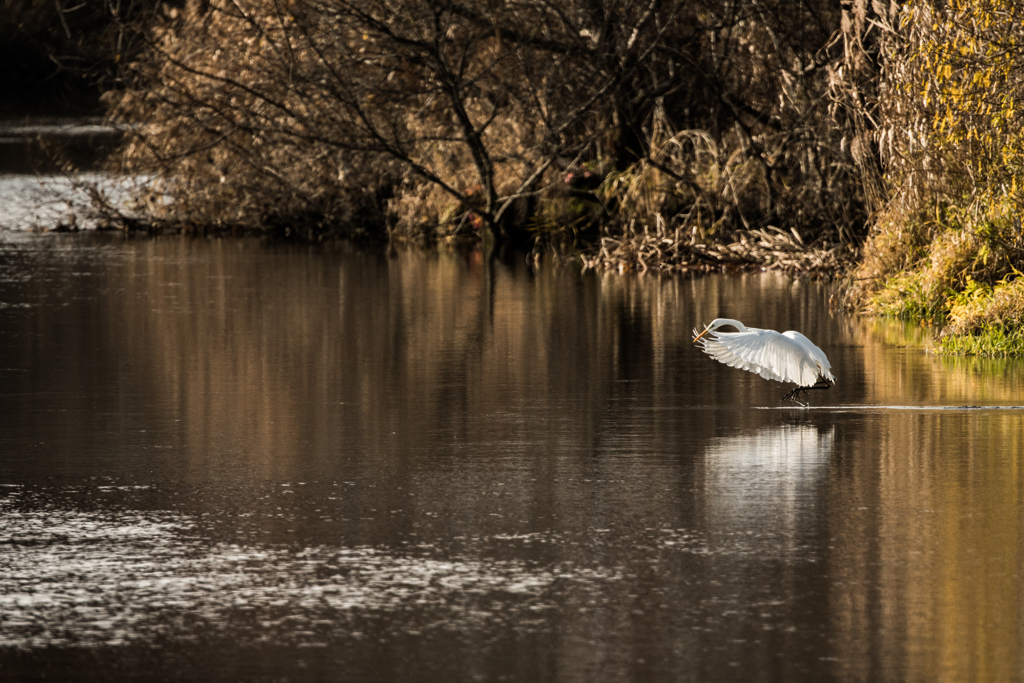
(770, 354)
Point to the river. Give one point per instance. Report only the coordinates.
(232, 460)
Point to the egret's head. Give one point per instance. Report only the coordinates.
(720, 322)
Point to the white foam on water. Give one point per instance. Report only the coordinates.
(38, 203)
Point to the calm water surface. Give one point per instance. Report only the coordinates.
(222, 460)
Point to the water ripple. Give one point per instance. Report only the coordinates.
(89, 579)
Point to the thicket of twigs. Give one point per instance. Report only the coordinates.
(639, 133)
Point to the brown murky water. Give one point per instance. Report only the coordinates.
(222, 460)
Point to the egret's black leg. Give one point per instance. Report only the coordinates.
(795, 394)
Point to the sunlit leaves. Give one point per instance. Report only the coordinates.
(960, 72)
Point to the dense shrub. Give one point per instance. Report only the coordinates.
(701, 123)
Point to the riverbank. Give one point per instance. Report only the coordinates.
(842, 150)
(946, 248)
(573, 132)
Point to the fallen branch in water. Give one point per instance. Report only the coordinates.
(765, 248)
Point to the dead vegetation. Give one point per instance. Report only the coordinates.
(763, 248)
(634, 133)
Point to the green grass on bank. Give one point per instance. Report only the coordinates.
(954, 271)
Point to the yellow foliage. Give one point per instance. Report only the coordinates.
(959, 70)
(946, 248)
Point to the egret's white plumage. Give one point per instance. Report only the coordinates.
(781, 356)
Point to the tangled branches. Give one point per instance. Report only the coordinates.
(412, 119)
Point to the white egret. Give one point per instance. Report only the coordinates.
(781, 356)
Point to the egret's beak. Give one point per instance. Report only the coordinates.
(706, 330)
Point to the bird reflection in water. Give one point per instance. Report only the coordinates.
(760, 482)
